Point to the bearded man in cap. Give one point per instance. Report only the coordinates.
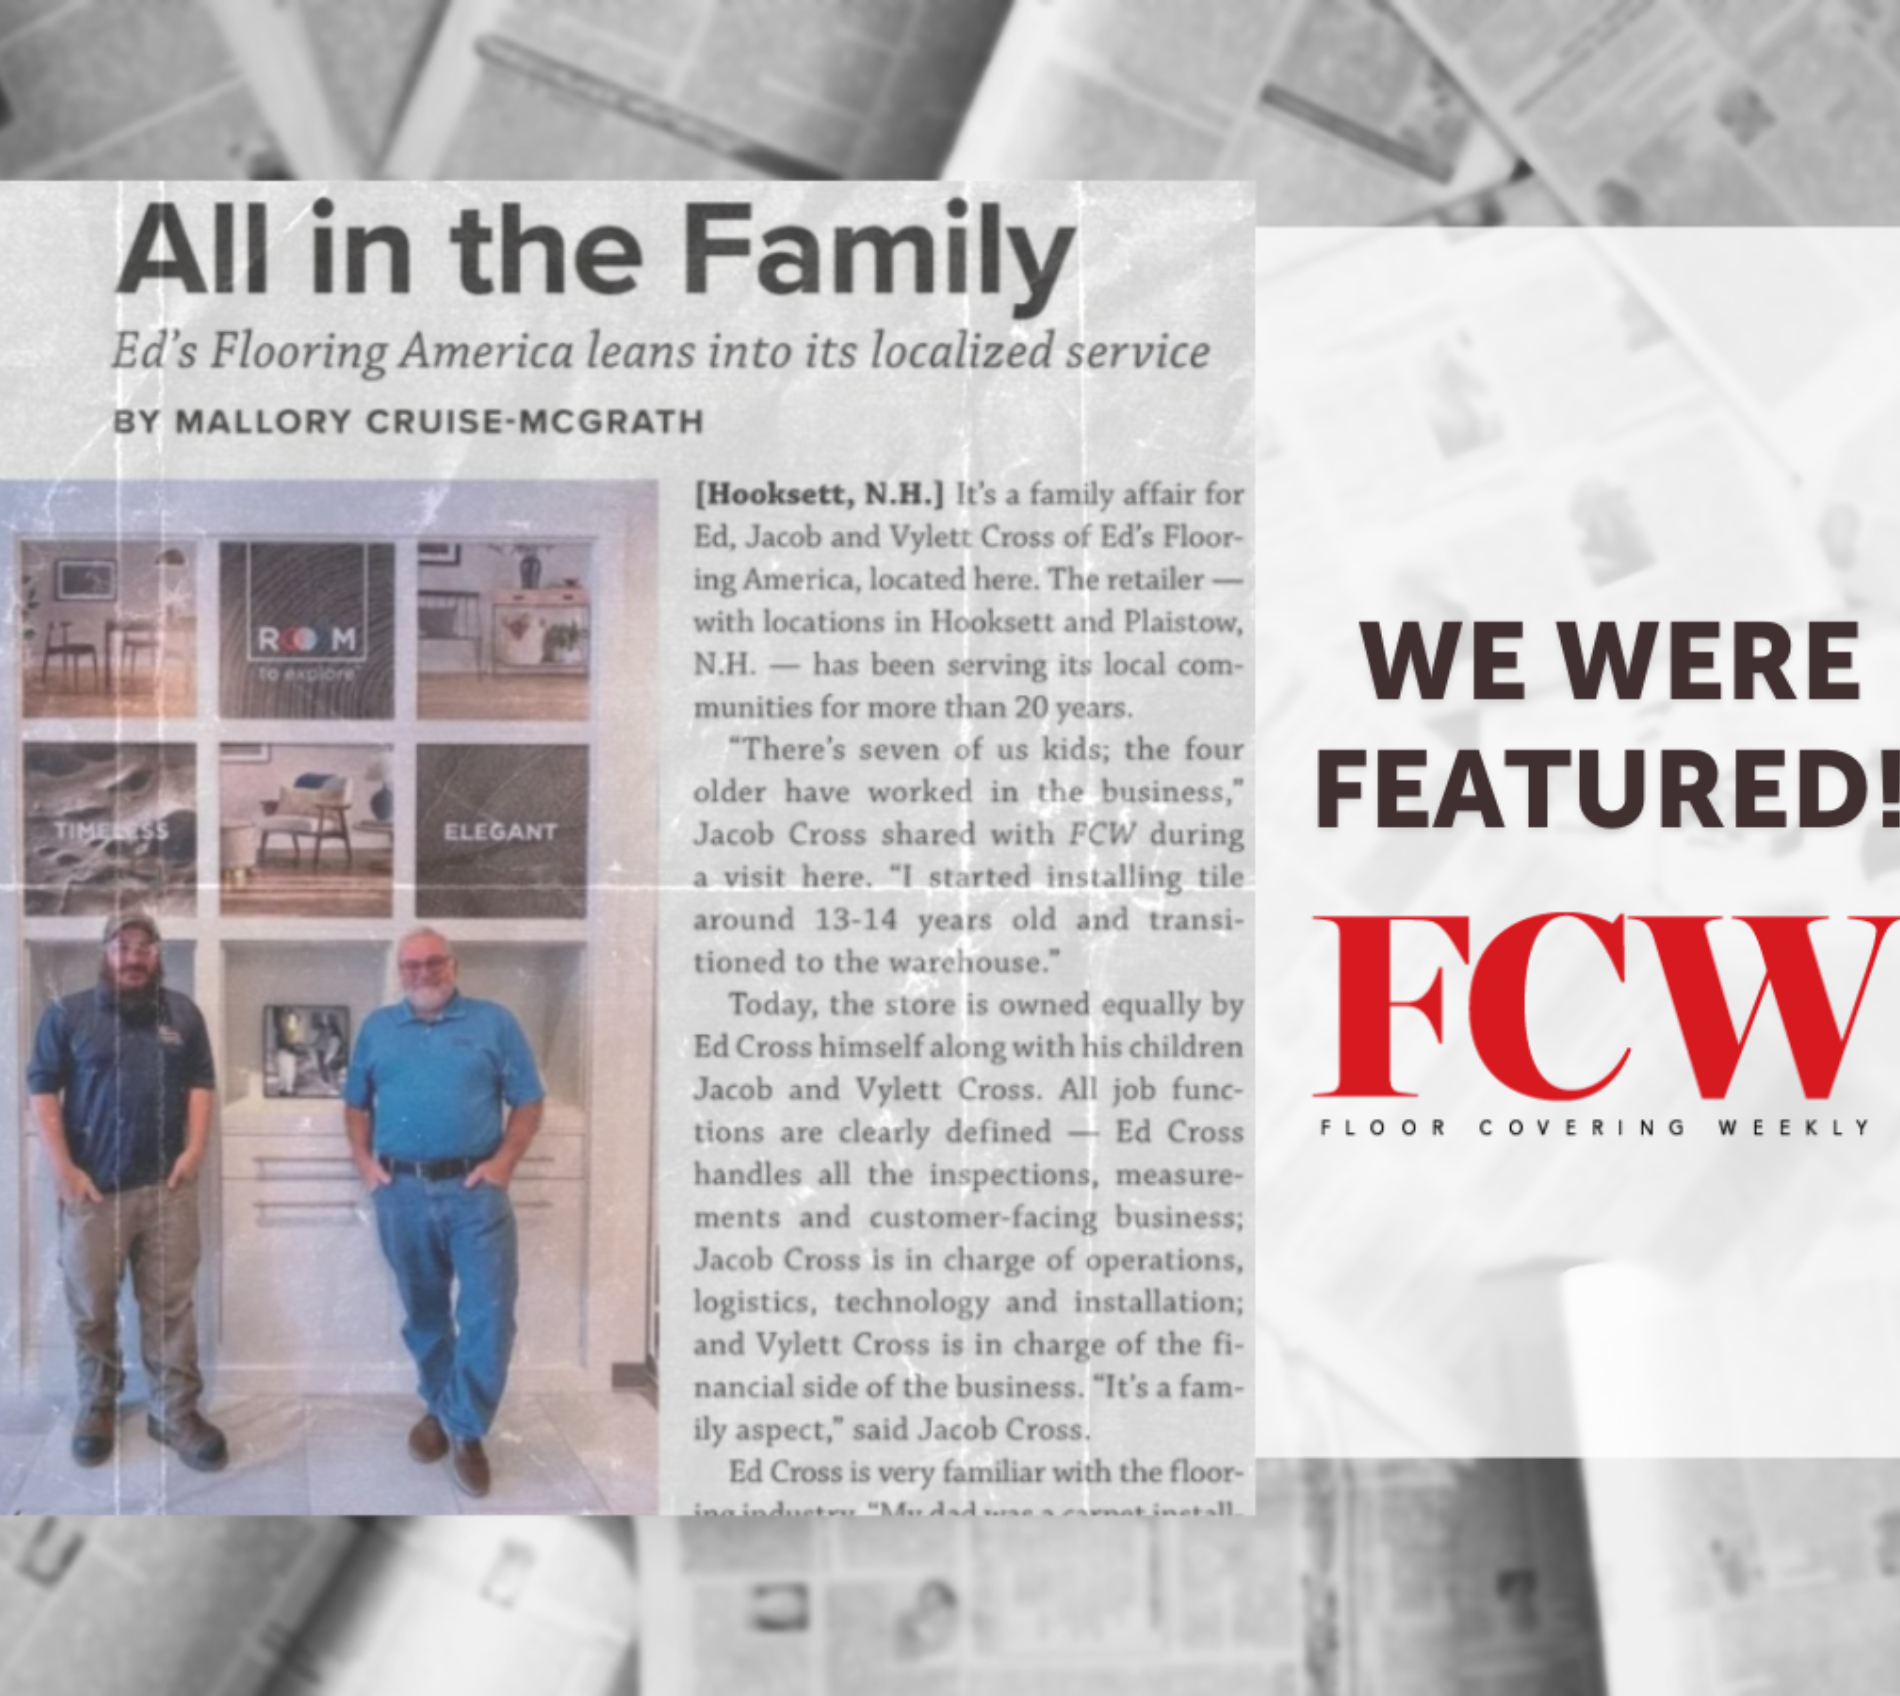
(122, 1085)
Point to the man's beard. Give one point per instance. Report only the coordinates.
(133, 998)
(430, 1000)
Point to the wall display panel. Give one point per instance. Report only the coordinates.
(306, 829)
(109, 825)
(501, 832)
(504, 630)
(308, 629)
(108, 628)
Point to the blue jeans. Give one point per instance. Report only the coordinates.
(457, 1270)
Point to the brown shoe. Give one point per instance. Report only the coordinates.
(93, 1434)
(193, 1438)
(428, 1442)
(470, 1465)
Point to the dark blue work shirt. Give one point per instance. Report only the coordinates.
(124, 1079)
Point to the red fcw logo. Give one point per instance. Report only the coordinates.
(1499, 1029)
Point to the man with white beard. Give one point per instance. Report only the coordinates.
(442, 1100)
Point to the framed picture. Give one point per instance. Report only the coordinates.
(438, 553)
(244, 753)
(85, 580)
(306, 1050)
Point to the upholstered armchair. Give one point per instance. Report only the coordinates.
(314, 809)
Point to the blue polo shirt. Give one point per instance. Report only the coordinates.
(436, 1087)
(124, 1080)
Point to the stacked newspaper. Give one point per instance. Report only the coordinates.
(1342, 112)
(317, 1607)
(1335, 108)
(1351, 1579)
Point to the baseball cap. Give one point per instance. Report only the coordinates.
(134, 918)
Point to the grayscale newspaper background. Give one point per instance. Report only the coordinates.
(1351, 1576)
(343, 1607)
(1665, 115)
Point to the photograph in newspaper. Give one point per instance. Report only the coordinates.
(322, 871)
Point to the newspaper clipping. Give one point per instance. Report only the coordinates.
(790, 649)
(957, 864)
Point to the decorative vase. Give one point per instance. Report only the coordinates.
(382, 805)
(531, 571)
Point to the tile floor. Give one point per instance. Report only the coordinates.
(341, 1454)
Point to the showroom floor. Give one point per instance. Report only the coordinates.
(342, 1454)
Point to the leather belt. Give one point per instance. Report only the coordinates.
(434, 1170)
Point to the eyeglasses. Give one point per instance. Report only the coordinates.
(430, 963)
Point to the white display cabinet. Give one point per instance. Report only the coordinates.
(306, 1293)
(292, 976)
(550, 1219)
(299, 979)
(544, 985)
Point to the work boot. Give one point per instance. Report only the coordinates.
(193, 1438)
(428, 1442)
(470, 1465)
(93, 1434)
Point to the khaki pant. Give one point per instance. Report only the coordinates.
(155, 1231)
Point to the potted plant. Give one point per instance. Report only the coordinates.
(29, 607)
(560, 643)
